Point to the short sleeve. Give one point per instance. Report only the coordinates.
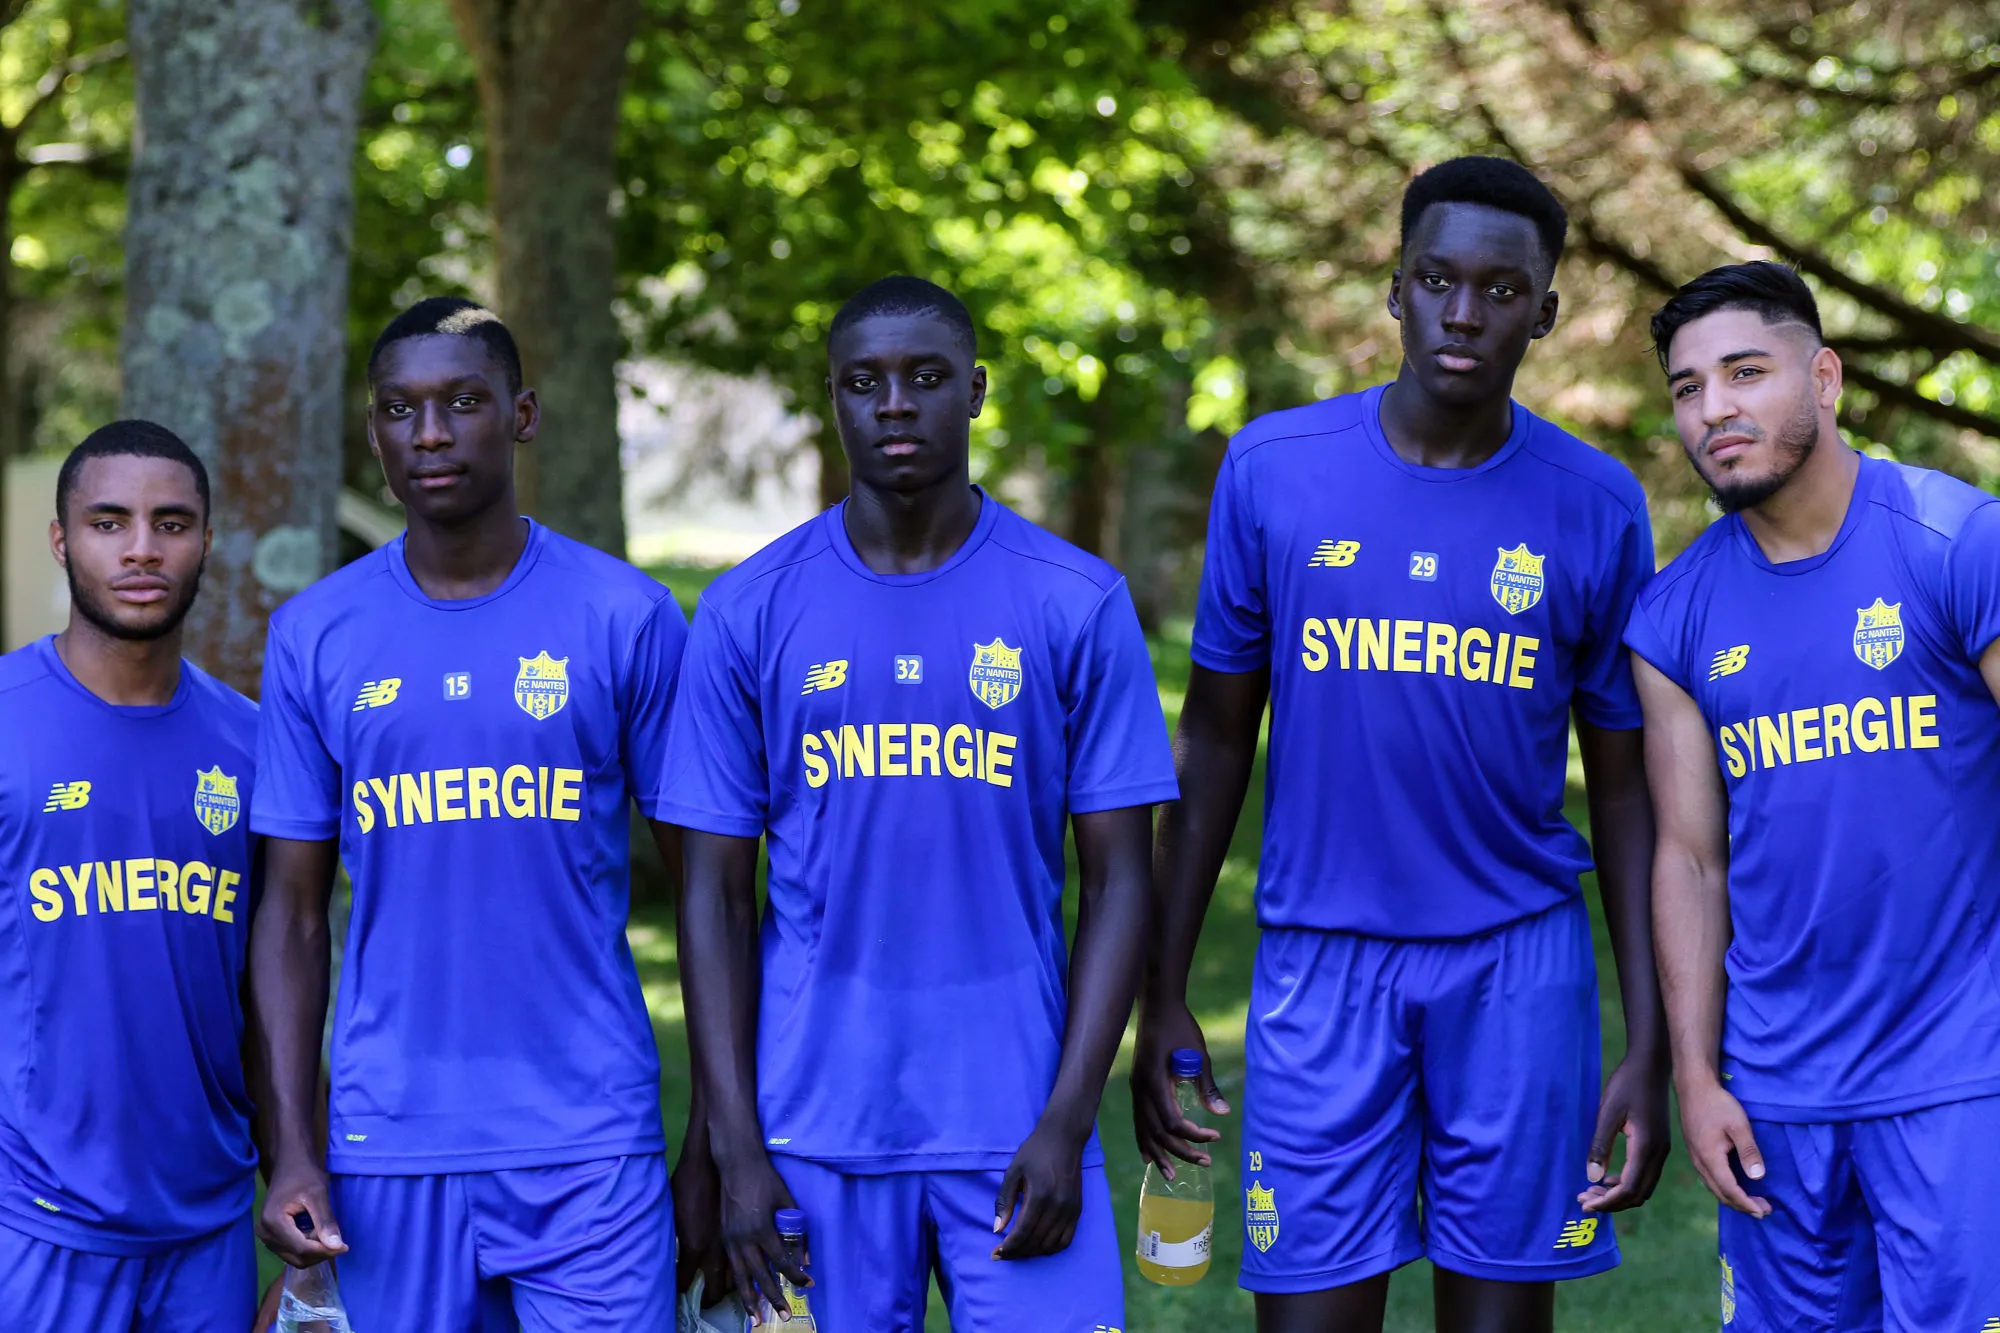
(1232, 622)
(1972, 580)
(1605, 694)
(298, 783)
(1644, 636)
(716, 777)
(1118, 750)
(646, 698)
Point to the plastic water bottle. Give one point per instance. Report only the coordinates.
(310, 1301)
(792, 1235)
(1177, 1217)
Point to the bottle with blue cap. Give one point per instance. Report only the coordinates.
(1177, 1217)
(791, 1225)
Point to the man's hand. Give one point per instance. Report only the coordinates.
(751, 1196)
(697, 1189)
(296, 1192)
(1046, 1180)
(1635, 1105)
(1715, 1125)
(1162, 1131)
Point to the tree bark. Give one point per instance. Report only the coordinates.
(550, 75)
(236, 252)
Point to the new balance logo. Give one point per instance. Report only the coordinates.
(67, 796)
(1576, 1235)
(826, 676)
(1992, 1325)
(1729, 661)
(1331, 554)
(375, 693)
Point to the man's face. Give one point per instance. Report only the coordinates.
(1748, 398)
(132, 543)
(904, 393)
(444, 424)
(1471, 295)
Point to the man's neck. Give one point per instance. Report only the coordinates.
(131, 673)
(897, 532)
(1427, 433)
(467, 560)
(1804, 517)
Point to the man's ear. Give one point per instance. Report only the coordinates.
(1827, 374)
(978, 389)
(59, 543)
(527, 416)
(1396, 296)
(1545, 318)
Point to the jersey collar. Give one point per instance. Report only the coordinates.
(843, 545)
(399, 567)
(52, 660)
(1857, 505)
(1371, 422)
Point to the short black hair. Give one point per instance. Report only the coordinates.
(1495, 182)
(129, 439)
(1775, 292)
(456, 317)
(901, 294)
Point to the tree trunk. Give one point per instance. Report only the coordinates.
(550, 73)
(236, 249)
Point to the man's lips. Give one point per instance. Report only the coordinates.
(1458, 360)
(1725, 447)
(141, 591)
(436, 479)
(899, 446)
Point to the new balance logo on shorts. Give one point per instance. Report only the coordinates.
(1578, 1234)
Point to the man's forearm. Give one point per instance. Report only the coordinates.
(290, 961)
(1104, 963)
(1622, 837)
(720, 972)
(1691, 915)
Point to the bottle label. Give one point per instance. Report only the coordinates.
(1176, 1253)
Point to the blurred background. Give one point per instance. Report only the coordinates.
(1167, 216)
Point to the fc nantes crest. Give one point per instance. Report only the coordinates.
(1517, 579)
(1260, 1215)
(1878, 634)
(216, 803)
(996, 673)
(542, 688)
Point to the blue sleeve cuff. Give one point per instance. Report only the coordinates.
(1121, 798)
(706, 821)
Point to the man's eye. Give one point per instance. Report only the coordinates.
(928, 377)
(1684, 390)
(861, 383)
(173, 526)
(397, 409)
(1745, 371)
(1433, 281)
(1500, 291)
(464, 402)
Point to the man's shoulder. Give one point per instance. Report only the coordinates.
(609, 579)
(1930, 499)
(1595, 473)
(759, 577)
(1310, 424)
(222, 706)
(25, 667)
(1065, 566)
(1692, 574)
(353, 584)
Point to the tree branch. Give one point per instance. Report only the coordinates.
(1902, 395)
(50, 85)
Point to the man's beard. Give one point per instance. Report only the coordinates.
(92, 607)
(1795, 442)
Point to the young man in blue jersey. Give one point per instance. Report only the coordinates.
(1819, 671)
(908, 698)
(125, 1153)
(462, 719)
(1428, 583)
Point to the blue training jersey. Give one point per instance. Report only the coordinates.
(477, 760)
(1428, 632)
(125, 861)
(911, 746)
(1860, 749)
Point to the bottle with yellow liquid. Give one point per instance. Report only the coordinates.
(1177, 1217)
(791, 1225)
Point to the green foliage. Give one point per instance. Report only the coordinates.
(1038, 158)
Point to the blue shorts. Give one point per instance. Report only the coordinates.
(874, 1241)
(195, 1287)
(582, 1248)
(1875, 1224)
(1464, 1073)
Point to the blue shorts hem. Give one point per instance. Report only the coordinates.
(1325, 1279)
(1562, 1270)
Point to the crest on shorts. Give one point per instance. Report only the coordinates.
(1517, 579)
(216, 803)
(1728, 1292)
(542, 687)
(1260, 1215)
(1878, 633)
(996, 673)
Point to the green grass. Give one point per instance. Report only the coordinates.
(1666, 1284)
